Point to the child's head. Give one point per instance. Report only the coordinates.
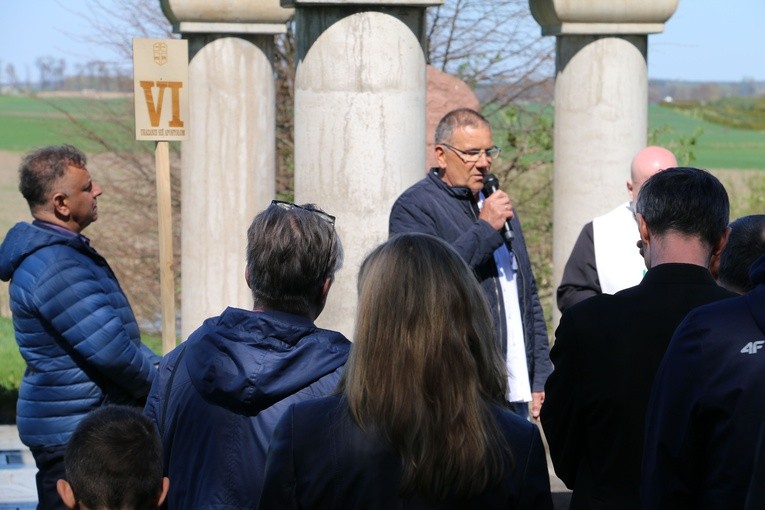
(113, 461)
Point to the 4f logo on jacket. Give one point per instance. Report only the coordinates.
(753, 347)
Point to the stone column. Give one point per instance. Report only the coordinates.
(359, 122)
(601, 105)
(228, 162)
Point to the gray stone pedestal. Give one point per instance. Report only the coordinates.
(601, 105)
(228, 162)
(359, 122)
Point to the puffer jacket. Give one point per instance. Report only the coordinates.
(432, 207)
(220, 394)
(75, 330)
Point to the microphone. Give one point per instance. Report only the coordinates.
(491, 184)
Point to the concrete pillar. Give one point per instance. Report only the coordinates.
(359, 122)
(601, 105)
(228, 162)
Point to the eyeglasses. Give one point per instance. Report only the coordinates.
(473, 155)
(289, 206)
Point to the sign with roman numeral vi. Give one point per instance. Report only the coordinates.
(160, 75)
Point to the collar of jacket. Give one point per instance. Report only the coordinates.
(675, 272)
(23, 239)
(461, 192)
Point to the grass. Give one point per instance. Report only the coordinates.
(20, 134)
(12, 368)
(27, 122)
(736, 112)
(718, 146)
(43, 106)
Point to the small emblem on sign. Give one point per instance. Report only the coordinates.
(160, 53)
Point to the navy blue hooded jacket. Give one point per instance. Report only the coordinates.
(708, 405)
(220, 394)
(432, 207)
(75, 330)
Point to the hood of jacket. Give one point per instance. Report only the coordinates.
(22, 240)
(247, 361)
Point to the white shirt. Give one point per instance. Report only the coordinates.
(518, 386)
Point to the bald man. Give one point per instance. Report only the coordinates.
(605, 259)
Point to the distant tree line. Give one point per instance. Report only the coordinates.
(53, 74)
(674, 90)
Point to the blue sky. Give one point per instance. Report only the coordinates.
(705, 40)
(711, 40)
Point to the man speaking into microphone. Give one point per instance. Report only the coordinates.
(450, 203)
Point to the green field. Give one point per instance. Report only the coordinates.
(27, 122)
(718, 147)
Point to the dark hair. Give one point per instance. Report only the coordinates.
(424, 368)
(687, 200)
(746, 243)
(461, 117)
(114, 460)
(41, 168)
(290, 252)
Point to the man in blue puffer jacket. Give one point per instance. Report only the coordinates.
(220, 394)
(74, 326)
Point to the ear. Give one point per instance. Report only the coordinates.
(714, 267)
(318, 306)
(247, 277)
(440, 156)
(720, 244)
(60, 205)
(65, 491)
(645, 232)
(631, 190)
(644, 243)
(717, 249)
(325, 288)
(163, 492)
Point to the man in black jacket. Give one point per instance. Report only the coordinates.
(608, 348)
(449, 203)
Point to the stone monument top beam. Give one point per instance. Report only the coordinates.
(617, 17)
(370, 3)
(226, 16)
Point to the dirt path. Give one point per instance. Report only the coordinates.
(13, 207)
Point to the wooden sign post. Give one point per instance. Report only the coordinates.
(160, 75)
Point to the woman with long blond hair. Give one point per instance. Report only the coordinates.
(419, 420)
